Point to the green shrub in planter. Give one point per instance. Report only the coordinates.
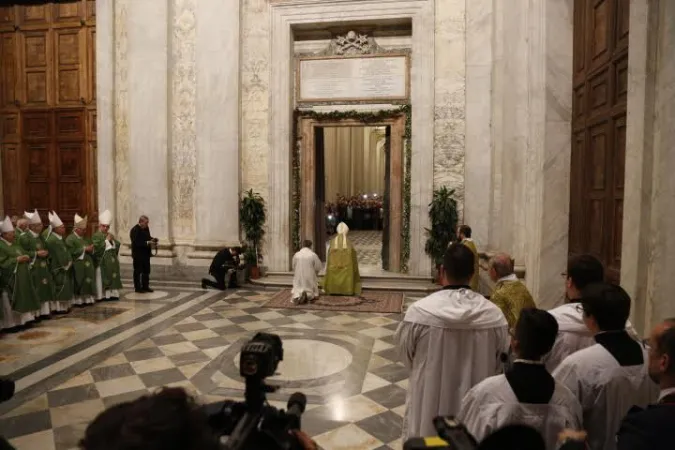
(443, 218)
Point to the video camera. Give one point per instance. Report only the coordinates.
(253, 424)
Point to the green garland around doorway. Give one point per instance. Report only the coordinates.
(366, 117)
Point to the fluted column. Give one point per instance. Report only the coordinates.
(217, 69)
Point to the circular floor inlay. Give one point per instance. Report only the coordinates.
(146, 296)
(306, 359)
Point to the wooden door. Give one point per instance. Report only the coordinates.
(386, 199)
(48, 107)
(599, 130)
(320, 192)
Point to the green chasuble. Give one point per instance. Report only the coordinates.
(40, 273)
(16, 278)
(511, 296)
(85, 272)
(476, 264)
(60, 264)
(342, 271)
(108, 261)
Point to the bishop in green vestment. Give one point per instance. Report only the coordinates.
(342, 268)
(106, 252)
(509, 294)
(60, 264)
(20, 305)
(81, 250)
(32, 243)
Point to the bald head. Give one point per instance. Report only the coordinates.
(662, 353)
(501, 265)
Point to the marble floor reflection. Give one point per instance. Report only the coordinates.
(71, 368)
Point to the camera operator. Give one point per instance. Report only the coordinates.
(142, 244)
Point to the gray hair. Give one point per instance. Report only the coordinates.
(143, 218)
(503, 264)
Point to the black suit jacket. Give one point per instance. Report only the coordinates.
(223, 259)
(139, 242)
(649, 429)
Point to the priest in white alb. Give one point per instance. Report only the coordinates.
(306, 268)
(611, 376)
(526, 394)
(450, 340)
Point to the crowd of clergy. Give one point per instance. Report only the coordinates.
(501, 361)
(45, 271)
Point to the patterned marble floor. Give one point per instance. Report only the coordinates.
(368, 245)
(70, 369)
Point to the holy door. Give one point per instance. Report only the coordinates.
(48, 107)
(599, 130)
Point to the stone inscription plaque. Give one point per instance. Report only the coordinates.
(374, 78)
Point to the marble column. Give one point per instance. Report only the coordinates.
(148, 70)
(217, 60)
(648, 244)
(105, 101)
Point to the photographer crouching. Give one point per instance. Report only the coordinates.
(142, 246)
(171, 420)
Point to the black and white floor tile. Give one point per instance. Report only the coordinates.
(71, 368)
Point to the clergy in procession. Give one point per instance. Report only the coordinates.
(106, 251)
(450, 340)
(510, 294)
(21, 226)
(573, 334)
(19, 302)
(306, 268)
(81, 250)
(611, 376)
(342, 268)
(526, 394)
(464, 236)
(60, 264)
(32, 243)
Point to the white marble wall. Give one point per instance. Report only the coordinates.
(648, 250)
(450, 78)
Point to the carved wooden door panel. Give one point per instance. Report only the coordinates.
(48, 107)
(320, 193)
(598, 130)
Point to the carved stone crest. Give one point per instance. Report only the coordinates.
(352, 43)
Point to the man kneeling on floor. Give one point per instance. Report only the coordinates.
(306, 268)
(223, 269)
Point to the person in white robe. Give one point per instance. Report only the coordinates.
(306, 268)
(450, 340)
(611, 376)
(526, 394)
(573, 335)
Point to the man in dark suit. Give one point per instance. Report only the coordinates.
(224, 264)
(142, 244)
(654, 428)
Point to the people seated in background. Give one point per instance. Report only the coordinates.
(610, 376)
(573, 334)
(526, 394)
(342, 268)
(653, 428)
(509, 294)
(306, 268)
(464, 236)
(224, 269)
(450, 340)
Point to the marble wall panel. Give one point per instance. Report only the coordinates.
(449, 90)
(121, 111)
(255, 73)
(183, 137)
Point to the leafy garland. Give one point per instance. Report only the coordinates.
(365, 117)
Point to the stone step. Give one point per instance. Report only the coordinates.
(375, 282)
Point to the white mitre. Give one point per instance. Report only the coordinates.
(105, 218)
(6, 225)
(54, 220)
(80, 222)
(33, 218)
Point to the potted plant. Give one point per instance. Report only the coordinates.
(443, 218)
(252, 215)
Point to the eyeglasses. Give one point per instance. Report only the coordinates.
(564, 275)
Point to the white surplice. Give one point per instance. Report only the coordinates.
(306, 268)
(573, 335)
(606, 391)
(451, 340)
(492, 404)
